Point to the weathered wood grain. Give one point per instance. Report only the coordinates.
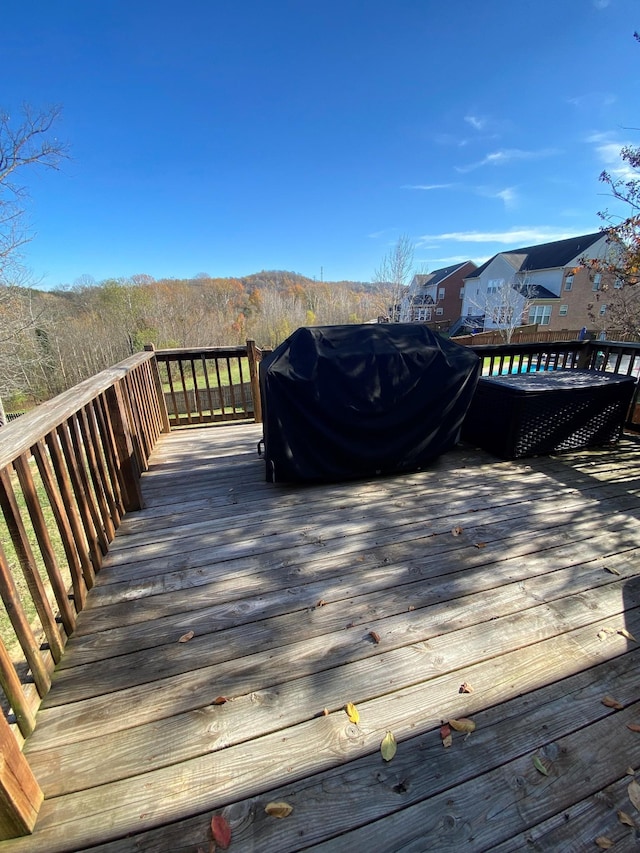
(130, 744)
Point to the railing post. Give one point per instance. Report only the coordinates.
(132, 495)
(20, 794)
(252, 357)
(584, 356)
(162, 404)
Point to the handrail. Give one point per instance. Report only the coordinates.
(606, 356)
(210, 384)
(69, 471)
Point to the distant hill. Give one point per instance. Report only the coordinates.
(285, 279)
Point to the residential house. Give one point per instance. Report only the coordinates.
(550, 281)
(435, 297)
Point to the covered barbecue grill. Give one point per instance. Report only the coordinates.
(341, 402)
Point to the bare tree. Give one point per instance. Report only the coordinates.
(24, 142)
(396, 271)
(506, 304)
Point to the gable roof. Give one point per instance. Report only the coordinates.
(435, 277)
(546, 255)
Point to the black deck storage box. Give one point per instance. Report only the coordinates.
(528, 414)
(340, 402)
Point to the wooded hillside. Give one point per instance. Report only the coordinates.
(50, 340)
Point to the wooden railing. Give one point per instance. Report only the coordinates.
(607, 356)
(211, 384)
(69, 471)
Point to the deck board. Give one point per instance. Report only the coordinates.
(520, 578)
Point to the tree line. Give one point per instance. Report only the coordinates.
(51, 340)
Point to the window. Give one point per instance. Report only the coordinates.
(494, 284)
(540, 314)
(568, 282)
(596, 281)
(439, 312)
(423, 314)
(564, 310)
(603, 310)
(440, 293)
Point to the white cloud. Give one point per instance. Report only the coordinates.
(508, 195)
(608, 152)
(521, 236)
(600, 4)
(477, 122)
(508, 155)
(428, 186)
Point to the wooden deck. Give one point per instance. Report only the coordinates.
(520, 579)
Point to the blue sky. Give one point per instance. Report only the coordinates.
(230, 137)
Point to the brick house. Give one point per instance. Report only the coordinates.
(550, 280)
(435, 297)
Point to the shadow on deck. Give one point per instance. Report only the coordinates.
(234, 619)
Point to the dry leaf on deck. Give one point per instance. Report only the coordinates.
(479, 544)
(611, 570)
(604, 632)
(388, 747)
(610, 702)
(456, 531)
(325, 712)
(623, 817)
(221, 831)
(375, 637)
(463, 725)
(633, 790)
(278, 809)
(604, 843)
(321, 603)
(465, 687)
(540, 765)
(627, 634)
(446, 736)
(352, 712)
(220, 700)
(633, 727)
(186, 637)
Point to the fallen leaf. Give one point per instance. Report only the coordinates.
(221, 831)
(465, 687)
(627, 634)
(220, 700)
(456, 531)
(540, 765)
(388, 747)
(278, 809)
(321, 603)
(463, 725)
(446, 736)
(610, 702)
(186, 637)
(410, 607)
(352, 712)
(611, 570)
(604, 843)
(603, 632)
(633, 727)
(325, 712)
(623, 817)
(631, 771)
(633, 790)
(479, 544)
(375, 637)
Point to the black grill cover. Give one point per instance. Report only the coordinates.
(354, 401)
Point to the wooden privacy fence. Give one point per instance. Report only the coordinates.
(69, 471)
